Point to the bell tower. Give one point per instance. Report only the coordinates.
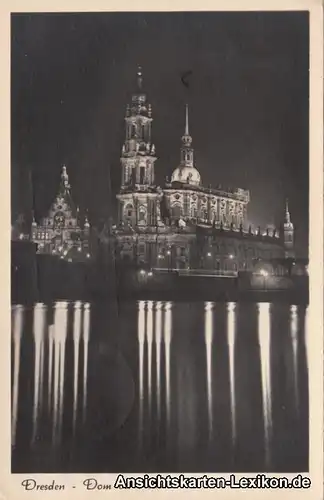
(138, 194)
(138, 152)
(288, 235)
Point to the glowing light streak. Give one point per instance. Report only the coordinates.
(149, 333)
(294, 341)
(141, 340)
(158, 339)
(76, 345)
(60, 332)
(86, 333)
(264, 342)
(50, 365)
(209, 343)
(38, 331)
(231, 306)
(17, 332)
(167, 346)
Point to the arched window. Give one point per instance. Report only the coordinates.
(194, 212)
(142, 175)
(142, 214)
(176, 211)
(129, 210)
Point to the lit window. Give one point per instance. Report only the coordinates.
(142, 214)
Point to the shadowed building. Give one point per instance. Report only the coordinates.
(62, 232)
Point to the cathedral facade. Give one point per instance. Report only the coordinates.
(181, 225)
(184, 224)
(62, 233)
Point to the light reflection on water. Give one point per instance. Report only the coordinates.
(294, 342)
(173, 351)
(16, 334)
(209, 344)
(231, 351)
(265, 346)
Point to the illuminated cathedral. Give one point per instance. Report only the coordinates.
(183, 224)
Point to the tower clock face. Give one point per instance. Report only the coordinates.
(59, 219)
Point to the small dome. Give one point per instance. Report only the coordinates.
(187, 175)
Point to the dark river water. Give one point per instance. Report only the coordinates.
(159, 386)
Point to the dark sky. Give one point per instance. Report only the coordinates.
(73, 74)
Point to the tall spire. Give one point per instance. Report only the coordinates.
(65, 179)
(187, 121)
(287, 217)
(139, 77)
(186, 138)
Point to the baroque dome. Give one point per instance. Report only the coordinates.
(186, 175)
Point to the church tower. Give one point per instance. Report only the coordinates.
(60, 232)
(288, 235)
(138, 196)
(186, 172)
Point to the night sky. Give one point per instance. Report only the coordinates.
(73, 74)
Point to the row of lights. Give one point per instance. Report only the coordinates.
(60, 248)
(146, 273)
(209, 254)
(263, 273)
(160, 256)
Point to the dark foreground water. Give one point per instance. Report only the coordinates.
(159, 386)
